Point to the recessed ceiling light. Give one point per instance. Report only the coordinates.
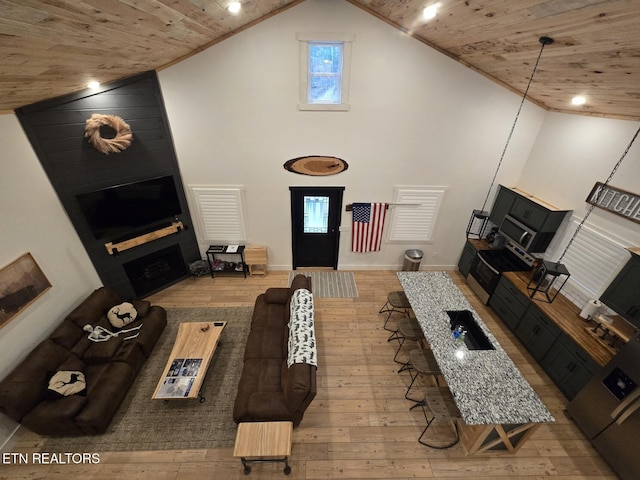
(93, 85)
(578, 100)
(430, 12)
(234, 7)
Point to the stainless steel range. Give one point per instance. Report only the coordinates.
(488, 266)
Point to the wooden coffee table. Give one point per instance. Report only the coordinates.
(189, 360)
(263, 442)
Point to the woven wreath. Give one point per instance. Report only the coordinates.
(120, 142)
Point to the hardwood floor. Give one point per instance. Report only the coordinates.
(359, 426)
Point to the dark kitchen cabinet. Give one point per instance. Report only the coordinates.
(529, 213)
(466, 259)
(508, 303)
(536, 214)
(502, 205)
(568, 366)
(547, 333)
(536, 332)
(623, 294)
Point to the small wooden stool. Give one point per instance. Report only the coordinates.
(255, 256)
(263, 442)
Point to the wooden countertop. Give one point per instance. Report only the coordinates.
(537, 200)
(479, 244)
(566, 315)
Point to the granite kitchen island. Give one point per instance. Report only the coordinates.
(499, 408)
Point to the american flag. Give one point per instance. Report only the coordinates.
(367, 225)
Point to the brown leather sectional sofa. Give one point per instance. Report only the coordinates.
(109, 368)
(270, 390)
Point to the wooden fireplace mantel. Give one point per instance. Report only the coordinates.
(115, 248)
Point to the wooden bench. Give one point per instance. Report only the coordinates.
(263, 442)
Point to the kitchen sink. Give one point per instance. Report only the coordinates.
(475, 339)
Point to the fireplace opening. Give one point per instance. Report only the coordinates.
(155, 271)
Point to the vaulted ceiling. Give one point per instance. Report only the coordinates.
(50, 48)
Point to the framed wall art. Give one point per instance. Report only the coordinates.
(21, 283)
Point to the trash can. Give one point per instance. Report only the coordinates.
(412, 259)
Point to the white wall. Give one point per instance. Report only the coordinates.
(33, 220)
(417, 118)
(571, 154)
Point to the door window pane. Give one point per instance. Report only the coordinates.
(316, 214)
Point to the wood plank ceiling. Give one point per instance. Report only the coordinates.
(54, 47)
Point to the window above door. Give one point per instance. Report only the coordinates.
(325, 66)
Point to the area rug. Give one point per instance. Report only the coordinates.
(145, 424)
(330, 284)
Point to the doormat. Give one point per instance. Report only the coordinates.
(145, 424)
(330, 284)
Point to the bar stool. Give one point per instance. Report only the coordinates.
(442, 406)
(408, 329)
(424, 363)
(396, 302)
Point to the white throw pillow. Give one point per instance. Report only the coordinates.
(122, 315)
(66, 382)
(302, 340)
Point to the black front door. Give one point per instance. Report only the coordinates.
(315, 226)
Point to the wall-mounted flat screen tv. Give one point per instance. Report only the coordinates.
(130, 209)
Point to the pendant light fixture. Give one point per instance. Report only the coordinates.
(479, 218)
(548, 277)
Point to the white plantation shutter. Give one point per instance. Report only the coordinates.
(415, 213)
(220, 213)
(593, 258)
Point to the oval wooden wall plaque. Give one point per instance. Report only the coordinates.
(316, 165)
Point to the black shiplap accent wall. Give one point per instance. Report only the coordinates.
(55, 129)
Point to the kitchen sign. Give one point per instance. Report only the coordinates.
(615, 200)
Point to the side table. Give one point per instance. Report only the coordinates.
(256, 258)
(218, 257)
(263, 442)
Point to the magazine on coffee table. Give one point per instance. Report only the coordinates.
(180, 378)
